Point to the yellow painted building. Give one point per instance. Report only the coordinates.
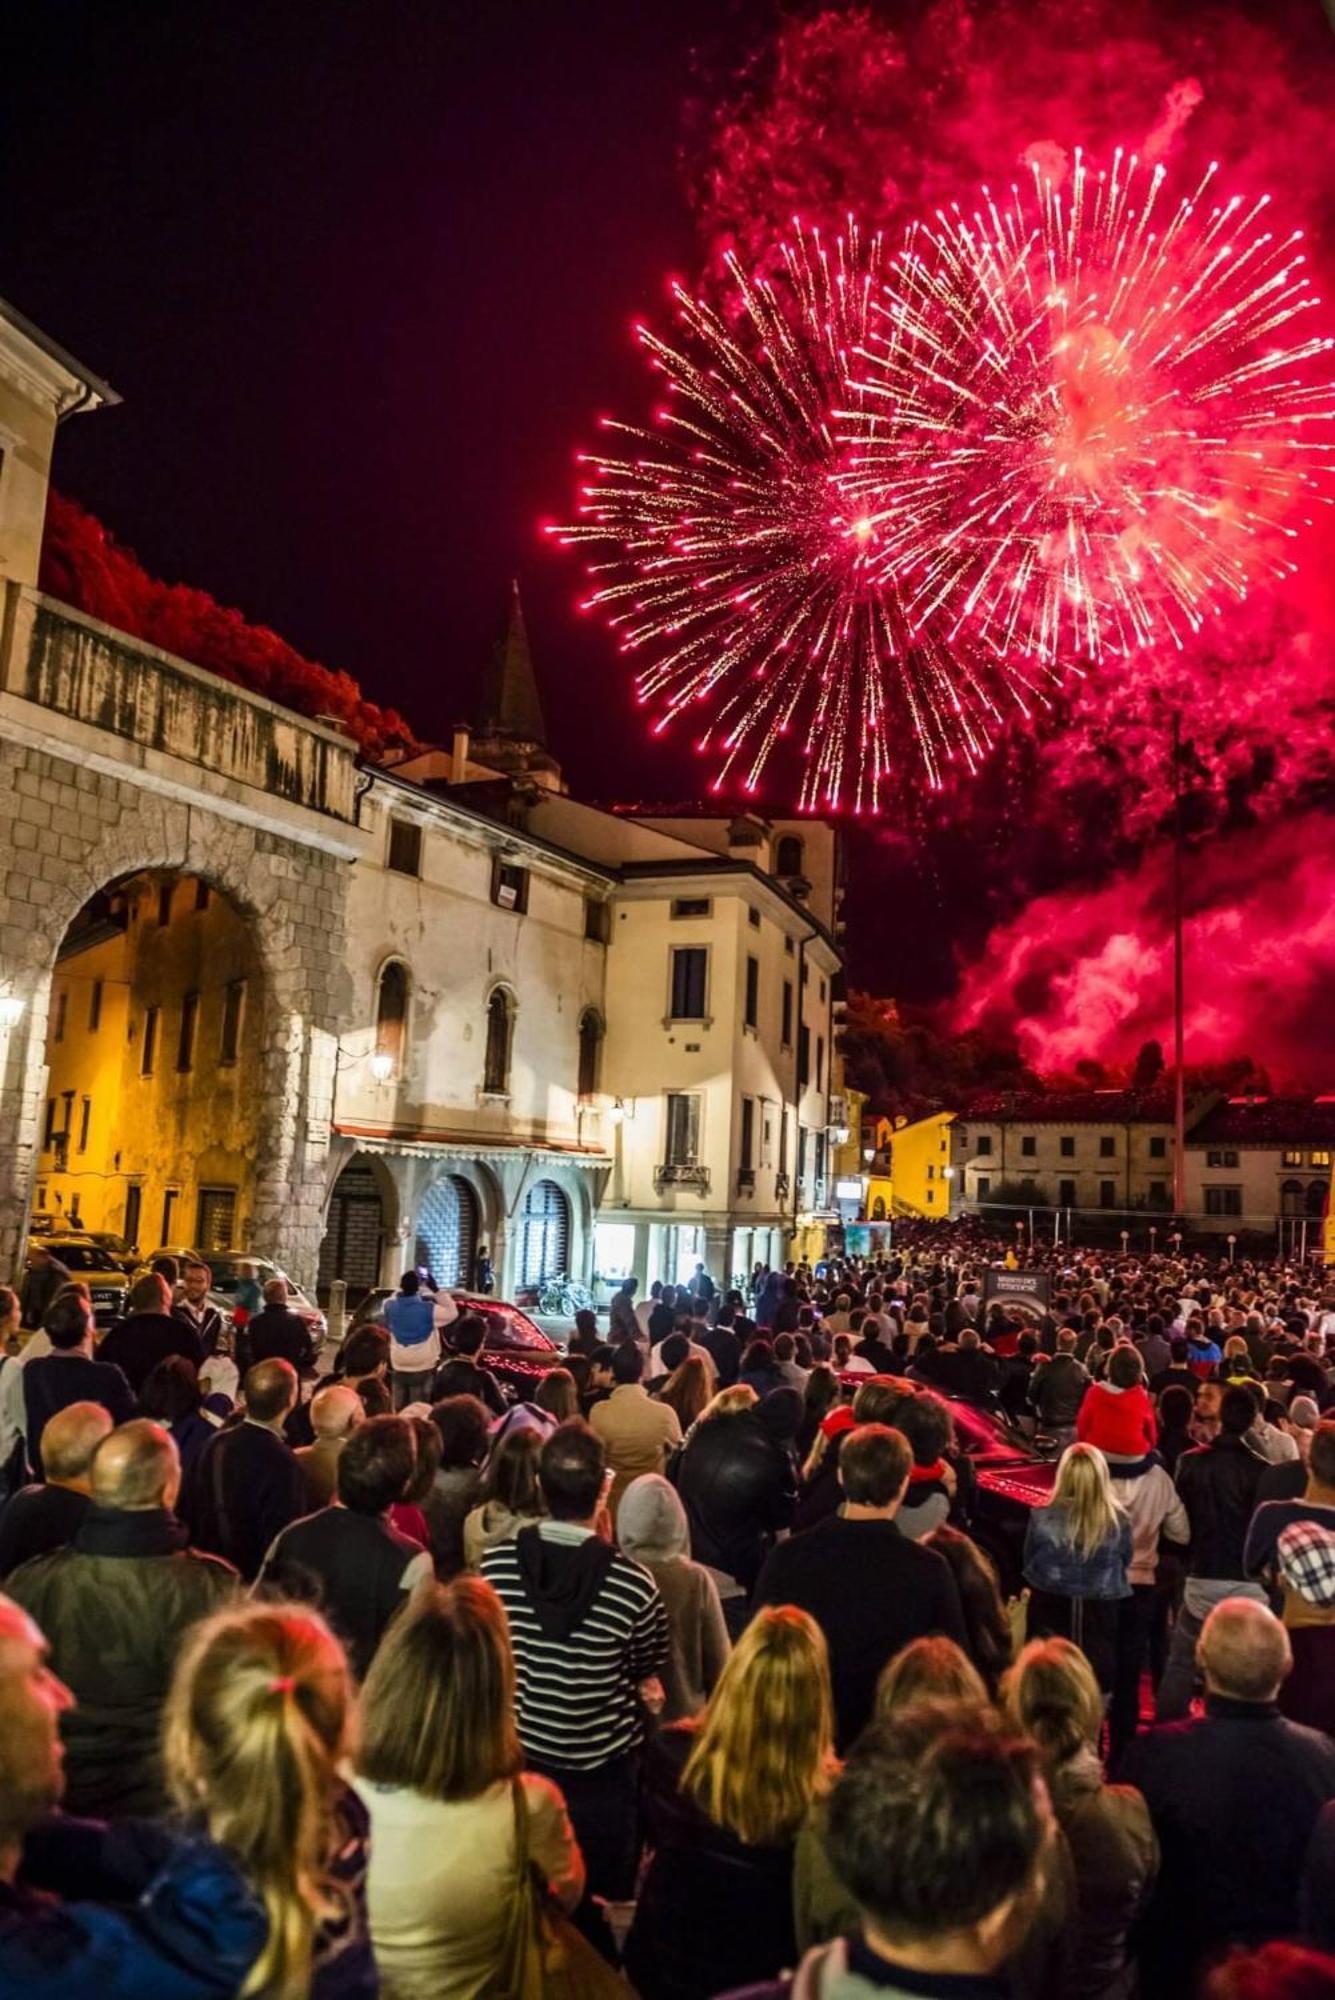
(909, 1174)
(151, 1121)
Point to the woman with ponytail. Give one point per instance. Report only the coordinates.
(1051, 1696)
(256, 1723)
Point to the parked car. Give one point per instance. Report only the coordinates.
(120, 1252)
(516, 1349)
(84, 1258)
(225, 1267)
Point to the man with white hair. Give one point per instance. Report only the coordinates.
(42, 1517)
(114, 1607)
(335, 1415)
(1234, 1797)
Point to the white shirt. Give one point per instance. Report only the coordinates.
(13, 1411)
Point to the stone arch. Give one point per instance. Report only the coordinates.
(71, 831)
(346, 1248)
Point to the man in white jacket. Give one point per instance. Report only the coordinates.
(1145, 1490)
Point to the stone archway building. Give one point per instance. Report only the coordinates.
(115, 758)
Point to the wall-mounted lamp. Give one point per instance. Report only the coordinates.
(382, 1065)
(618, 1112)
(11, 1010)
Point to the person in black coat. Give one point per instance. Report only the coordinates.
(69, 1374)
(737, 1482)
(275, 1333)
(1234, 1798)
(149, 1333)
(348, 1559)
(868, 1587)
(246, 1485)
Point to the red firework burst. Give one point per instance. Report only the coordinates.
(736, 569)
(1086, 418)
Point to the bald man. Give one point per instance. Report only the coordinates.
(42, 1517)
(245, 1487)
(114, 1607)
(335, 1415)
(1234, 1797)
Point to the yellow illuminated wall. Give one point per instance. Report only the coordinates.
(185, 1122)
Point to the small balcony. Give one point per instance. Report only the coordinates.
(679, 1174)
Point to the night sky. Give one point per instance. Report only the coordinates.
(364, 274)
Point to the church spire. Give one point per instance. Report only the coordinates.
(510, 707)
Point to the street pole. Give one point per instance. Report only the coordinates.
(1179, 1093)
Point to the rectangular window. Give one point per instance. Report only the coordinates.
(1107, 1146)
(803, 1056)
(1107, 1194)
(787, 947)
(596, 915)
(1223, 1201)
(1289, 1159)
(49, 1131)
(1158, 1146)
(201, 895)
(85, 1120)
(62, 1014)
(1319, 1159)
(683, 1129)
(95, 1007)
(1228, 1158)
(783, 1139)
(1066, 1194)
(509, 886)
(169, 1201)
(691, 906)
(931, 1170)
(985, 1142)
(148, 1053)
(1158, 1194)
(165, 904)
(1067, 1146)
(185, 1047)
(234, 999)
(753, 918)
(786, 1026)
(215, 1219)
(1028, 1146)
(984, 1186)
(690, 971)
(752, 1014)
(766, 1133)
(747, 1159)
(405, 847)
(134, 1201)
(820, 1062)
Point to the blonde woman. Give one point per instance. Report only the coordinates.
(439, 1771)
(255, 1727)
(1077, 1551)
(724, 1799)
(1051, 1695)
(932, 1668)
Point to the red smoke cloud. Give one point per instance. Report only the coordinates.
(1051, 866)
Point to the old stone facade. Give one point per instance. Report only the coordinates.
(79, 810)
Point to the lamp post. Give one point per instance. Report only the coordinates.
(1232, 1241)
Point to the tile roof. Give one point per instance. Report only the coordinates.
(1269, 1121)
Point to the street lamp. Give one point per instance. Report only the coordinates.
(868, 1155)
(11, 1009)
(1231, 1243)
(382, 1065)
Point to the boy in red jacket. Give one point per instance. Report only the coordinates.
(1117, 1415)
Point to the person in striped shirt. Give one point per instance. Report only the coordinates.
(590, 1637)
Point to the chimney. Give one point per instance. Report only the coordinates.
(459, 754)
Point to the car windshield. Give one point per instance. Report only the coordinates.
(227, 1272)
(983, 1431)
(80, 1256)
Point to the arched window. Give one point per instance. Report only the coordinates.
(788, 859)
(391, 1012)
(590, 1051)
(1316, 1196)
(545, 1249)
(1291, 1198)
(500, 1029)
(878, 1209)
(447, 1231)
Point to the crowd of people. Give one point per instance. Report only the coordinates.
(694, 1673)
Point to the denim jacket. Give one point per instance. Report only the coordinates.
(1051, 1563)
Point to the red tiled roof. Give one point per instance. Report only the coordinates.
(1071, 1107)
(1268, 1121)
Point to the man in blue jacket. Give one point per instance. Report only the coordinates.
(414, 1319)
